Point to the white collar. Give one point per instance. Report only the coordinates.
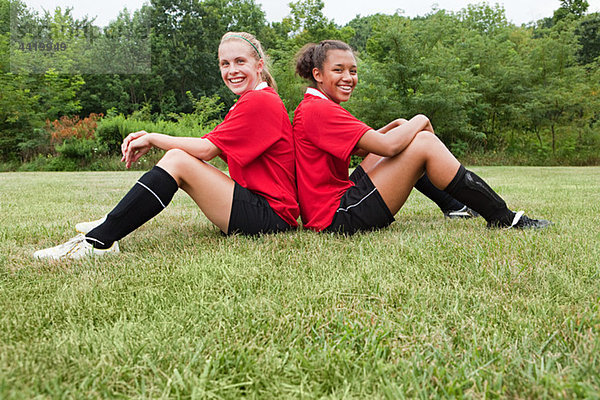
(316, 92)
(261, 86)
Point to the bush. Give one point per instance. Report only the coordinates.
(50, 163)
(6, 166)
(94, 143)
(205, 115)
(459, 148)
(82, 150)
(72, 127)
(110, 132)
(33, 142)
(113, 129)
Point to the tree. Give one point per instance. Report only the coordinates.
(588, 34)
(363, 30)
(185, 38)
(575, 8)
(411, 68)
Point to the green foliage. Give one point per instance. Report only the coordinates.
(111, 131)
(459, 148)
(185, 36)
(80, 149)
(307, 15)
(49, 163)
(568, 8)
(33, 142)
(413, 68)
(19, 113)
(205, 115)
(588, 35)
(484, 83)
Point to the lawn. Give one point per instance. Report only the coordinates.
(426, 308)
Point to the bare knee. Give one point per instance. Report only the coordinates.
(426, 137)
(424, 142)
(176, 162)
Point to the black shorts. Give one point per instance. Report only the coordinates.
(361, 208)
(251, 214)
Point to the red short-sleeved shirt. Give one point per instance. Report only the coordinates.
(325, 135)
(255, 140)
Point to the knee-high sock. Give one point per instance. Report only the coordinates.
(470, 189)
(149, 196)
(443, 200)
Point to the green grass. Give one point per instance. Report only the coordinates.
(426, 308)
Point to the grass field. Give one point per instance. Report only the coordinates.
(426, 308)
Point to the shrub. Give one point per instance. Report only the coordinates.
(72, 127)
(110, 132)
(113, 129)
(205, 115)
(94, 142)
(459, 148)
(50, 163)
(34, 142)
(82, 150)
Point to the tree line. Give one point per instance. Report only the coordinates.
(496, 92)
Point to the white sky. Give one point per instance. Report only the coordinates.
(341, 11)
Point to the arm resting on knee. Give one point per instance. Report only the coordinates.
(394, 140)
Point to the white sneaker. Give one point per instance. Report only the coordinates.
(85, 227)
(76, 248)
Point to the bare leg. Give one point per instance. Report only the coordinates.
(210, 188)
(394, 177)
(445, 202)
(370, 161)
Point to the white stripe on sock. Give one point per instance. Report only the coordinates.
(516, 218)
(155, 195)
(95, 240)
(356, 204)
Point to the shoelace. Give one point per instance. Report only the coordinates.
(74, 243)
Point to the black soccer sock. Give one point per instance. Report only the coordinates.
(443, 200)
(470, 189)
(149, 196)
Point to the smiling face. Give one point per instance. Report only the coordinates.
(240, 70)
(338, 78)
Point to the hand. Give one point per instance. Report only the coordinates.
(128, 139)
(136, 148)
(428, 126)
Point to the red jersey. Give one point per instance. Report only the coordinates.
(255, 140)
(325, 135)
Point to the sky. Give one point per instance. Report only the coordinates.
(341, 11)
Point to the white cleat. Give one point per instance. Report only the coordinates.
(75, 249)
(85, 227)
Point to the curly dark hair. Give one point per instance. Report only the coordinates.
(313, 55)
